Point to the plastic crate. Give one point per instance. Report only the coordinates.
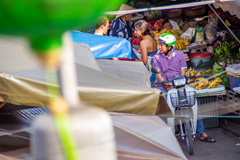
(234, 80)
(228, 103)
(208, 107)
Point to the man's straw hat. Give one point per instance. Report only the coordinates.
(122, 8)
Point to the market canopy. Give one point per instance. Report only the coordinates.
(137, 137)
(145, 138)
(182, 4)
(105, 46)
(233, 7)
(133, 71)
(27, 86)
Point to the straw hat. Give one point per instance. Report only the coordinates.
(122, 8)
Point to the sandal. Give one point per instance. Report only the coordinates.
(208, 139)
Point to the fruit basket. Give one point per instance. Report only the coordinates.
(173, 13)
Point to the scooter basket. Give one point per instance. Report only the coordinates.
(189, 102)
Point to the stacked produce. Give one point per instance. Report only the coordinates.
(192, 72)
(181, 43)
(165, 30)
(208, 72)
(150, 27)
(158, 25)
(227, 53)
(201, 82)
(220, 68)
(151, 14)
(136, 40)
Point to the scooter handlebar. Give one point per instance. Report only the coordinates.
(170, 81)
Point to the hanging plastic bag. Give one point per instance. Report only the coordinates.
(211, 29)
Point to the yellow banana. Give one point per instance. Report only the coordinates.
(199, 74)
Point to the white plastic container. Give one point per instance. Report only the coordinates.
(91, 128)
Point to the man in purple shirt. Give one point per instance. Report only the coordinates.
(172, 63)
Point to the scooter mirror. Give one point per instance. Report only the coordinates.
(199, 63)
(155, 70)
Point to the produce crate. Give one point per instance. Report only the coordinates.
(208, 107)
(234, 80)
(228, 103)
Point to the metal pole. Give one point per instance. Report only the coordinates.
(224, 23)
(68, 73)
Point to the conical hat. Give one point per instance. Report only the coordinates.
(122, 8)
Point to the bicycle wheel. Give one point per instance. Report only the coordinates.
(188, 136)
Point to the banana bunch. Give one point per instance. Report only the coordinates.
(182, 43)
(218, 80)
(214, 83)
(191, 72)
(209, 71)
(238, 56)
(200, 79)
(224, 77)
(179, 45)
(202, 84)
(194, 84)
(165, 30)
(157, 34)
(225, 52)
(185, 40)
(217, 68)
(227, 23)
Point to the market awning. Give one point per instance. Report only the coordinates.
(133, 71)
(27, 86)
(232, 7)
(176, 6)
(145, 138)
(105, 46)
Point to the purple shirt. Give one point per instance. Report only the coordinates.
(169, 68)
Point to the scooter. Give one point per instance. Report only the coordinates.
(182, 103)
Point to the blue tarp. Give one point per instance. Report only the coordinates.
(105, 46)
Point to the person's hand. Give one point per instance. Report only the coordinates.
(168, 87)
(138, 60)
(134, 50)
(115, 58)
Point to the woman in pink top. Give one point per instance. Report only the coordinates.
(148, 46)
(148, 43)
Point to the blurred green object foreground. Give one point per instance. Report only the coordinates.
(44, 21)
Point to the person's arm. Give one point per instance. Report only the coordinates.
(156, 64)
(183, 64)
(144, 53)
(183, 72)
(159, 77)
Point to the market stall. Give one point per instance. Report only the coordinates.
(206, 30)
